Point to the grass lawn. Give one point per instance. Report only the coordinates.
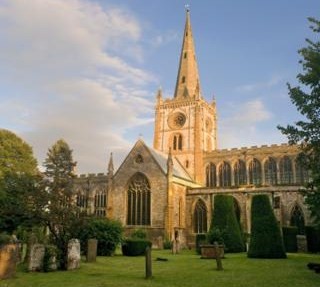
(183, 270)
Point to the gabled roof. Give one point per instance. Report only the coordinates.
(161, 160)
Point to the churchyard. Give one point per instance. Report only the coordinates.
(183, 269)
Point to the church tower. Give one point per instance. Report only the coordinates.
(186, 123)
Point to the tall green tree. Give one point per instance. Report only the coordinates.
(306, 132)
(55, 201)
(266, 240)
(18, 179)
(225, 221)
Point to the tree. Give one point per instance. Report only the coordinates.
(18, 179)
(55, 201)
(224, 222)
(306, 132)
(266, 240)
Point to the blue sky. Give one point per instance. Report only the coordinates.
(88, 71)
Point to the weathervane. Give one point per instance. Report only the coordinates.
(187, 6)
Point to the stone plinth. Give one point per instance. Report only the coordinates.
(208, 251)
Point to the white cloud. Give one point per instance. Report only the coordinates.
(66, 75)
(273, 81)
(241, 126)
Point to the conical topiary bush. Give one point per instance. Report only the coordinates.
(225, 221)
(266, 240)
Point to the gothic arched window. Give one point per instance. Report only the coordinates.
(211, 175)
(255, 172)
(225, 174)
(138, 201)
(297, 219)
(286, 174)
(200, 218)
(240, 174)
(270, 171)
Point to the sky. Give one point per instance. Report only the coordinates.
(88, 71)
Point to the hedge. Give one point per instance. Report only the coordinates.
(224, 219)
(313, 238)
(290, 238)
(135, 246)
(266, 240)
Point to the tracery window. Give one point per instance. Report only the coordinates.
(200, 218)
(302, 175)
(138, 201)
(225, 174)
(100, 203)
(211, 175)
(255, 172)
(240, 174)
(286, 174)
(270, 171)
(82, 200)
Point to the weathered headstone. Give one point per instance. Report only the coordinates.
(35, 261)
(8, 260)
(74, 254)
(148, 263)
(302, 243)
(218, 256)
(92, 250)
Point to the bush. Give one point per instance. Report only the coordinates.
(200, 239)
(167, 244)
(135, 246)
(313, 238)
(266, 240)
(108, 233)
(290, 238)
(139, 233)
(224, 220)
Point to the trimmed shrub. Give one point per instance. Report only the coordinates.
(266, 240)
(200, 239)
(135, 246)
(224, 219)
(108, 233)
(313, 238)
(289, 234)
(167, 244)
(139, 233)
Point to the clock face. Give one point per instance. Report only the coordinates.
(176, 120)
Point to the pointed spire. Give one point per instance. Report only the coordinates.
(188, 76)
(110, 166)
(159, 96)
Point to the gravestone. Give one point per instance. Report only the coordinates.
(8, 260)
(92, 250)
(74, 254)
(35, 262)
(302, 243)
(148, 263)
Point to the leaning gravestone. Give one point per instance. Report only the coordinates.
(92, 250)
(35, 262)
(74, 254)
(8, 260)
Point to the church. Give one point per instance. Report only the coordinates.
(168, 190)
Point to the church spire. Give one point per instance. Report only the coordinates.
(188, 84)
